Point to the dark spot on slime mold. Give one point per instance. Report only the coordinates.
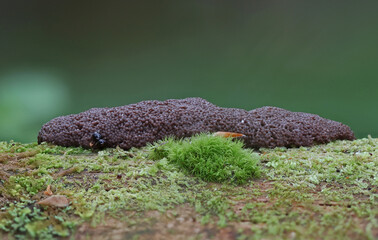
(96, 136)
(97, 141)
(137, 124)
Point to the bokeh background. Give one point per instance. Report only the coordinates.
(63, 57)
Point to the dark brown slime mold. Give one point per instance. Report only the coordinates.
(135, 125)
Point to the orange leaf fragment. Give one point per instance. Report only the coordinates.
(55, 201)
(228, 134)
(48, 191)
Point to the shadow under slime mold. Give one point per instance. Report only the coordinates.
(135, 125)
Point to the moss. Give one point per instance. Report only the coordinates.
(27, 185)
(329, 189)
(26, 220)
(211, 158)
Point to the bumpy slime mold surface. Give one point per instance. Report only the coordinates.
(135, 125)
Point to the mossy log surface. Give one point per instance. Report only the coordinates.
(322, 192)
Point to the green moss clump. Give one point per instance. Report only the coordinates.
(214, 159)
(27, 185)
(18, 217)
(26, 220)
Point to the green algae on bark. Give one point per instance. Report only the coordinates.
(331, 190)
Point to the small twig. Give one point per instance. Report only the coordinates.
(4, 175)
(66, 172)
(6, 157)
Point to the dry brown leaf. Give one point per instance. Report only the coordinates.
(55, 200)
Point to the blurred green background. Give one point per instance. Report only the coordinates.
(63, 57)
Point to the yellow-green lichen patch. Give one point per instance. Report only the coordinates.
(303, 193)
